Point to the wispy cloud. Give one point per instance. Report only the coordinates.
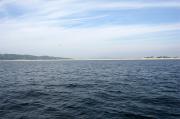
(75, 41)
(43, 26)
(75, 10)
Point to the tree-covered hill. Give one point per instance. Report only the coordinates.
(27, 57)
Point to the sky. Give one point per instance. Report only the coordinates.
(90, 28)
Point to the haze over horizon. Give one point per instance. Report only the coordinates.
(90, 29)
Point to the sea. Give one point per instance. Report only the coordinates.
(90, 89)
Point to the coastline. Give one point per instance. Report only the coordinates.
(38, 60)
(78, 59)
(93, 60)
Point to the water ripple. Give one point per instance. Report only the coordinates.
(90, 90)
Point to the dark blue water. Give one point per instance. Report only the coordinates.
(90, 89)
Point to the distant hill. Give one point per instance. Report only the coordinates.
(161, 57)
(27, 57)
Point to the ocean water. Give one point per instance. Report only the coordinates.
(90, 89)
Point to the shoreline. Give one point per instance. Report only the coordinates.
(144, 59)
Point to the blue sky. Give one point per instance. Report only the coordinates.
(90, 29)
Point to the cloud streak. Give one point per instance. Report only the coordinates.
(45, 24)
(75, 10)
(75, 41)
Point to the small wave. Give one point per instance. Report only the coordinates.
(162, 100)
(136, 116)
(78, 85)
